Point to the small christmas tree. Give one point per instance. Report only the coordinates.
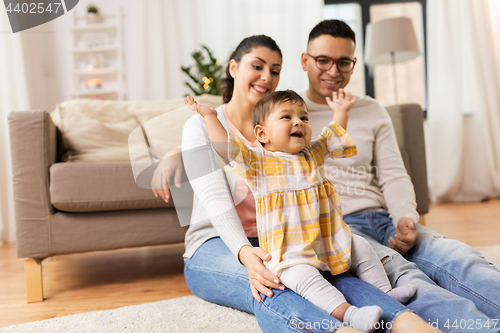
(206, 74)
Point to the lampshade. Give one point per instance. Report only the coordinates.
(387, 36)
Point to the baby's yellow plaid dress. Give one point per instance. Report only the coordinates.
(299, 220)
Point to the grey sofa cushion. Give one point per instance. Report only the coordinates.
(93, 187)
(408, 123)
(84, 232)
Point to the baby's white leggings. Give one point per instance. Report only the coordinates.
(308, 282)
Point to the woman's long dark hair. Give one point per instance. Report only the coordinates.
(243, 48)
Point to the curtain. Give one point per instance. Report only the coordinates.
(165, 33)
(13, 96)
(463, 124)
(158, 37)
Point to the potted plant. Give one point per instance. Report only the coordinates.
(205, 73)
(93, 15)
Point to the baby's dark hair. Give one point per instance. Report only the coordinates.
(266, 105)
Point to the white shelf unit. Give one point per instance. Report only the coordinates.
(94, 26)
(97, 53)
(97, 50)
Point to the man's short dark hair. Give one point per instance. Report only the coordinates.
(267, 103)
(334, 28)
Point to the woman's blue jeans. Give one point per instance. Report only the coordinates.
(455, 284)
(214, 274)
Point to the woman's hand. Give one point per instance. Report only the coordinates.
(260, 278)
(171, 165)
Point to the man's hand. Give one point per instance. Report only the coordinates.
(406, 236)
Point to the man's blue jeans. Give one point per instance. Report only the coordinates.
(458, 284)
(214, 274)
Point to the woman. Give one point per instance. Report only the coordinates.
(216, 246)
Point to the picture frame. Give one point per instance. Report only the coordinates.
(95, 40)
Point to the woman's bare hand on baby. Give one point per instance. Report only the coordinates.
(260, 278)
(201, 109)
(341, 101)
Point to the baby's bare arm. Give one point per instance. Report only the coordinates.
(216, 132)
(341, 104)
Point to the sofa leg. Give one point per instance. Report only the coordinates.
(421, 220)
(34, 284)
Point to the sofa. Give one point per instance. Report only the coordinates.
(76, 192)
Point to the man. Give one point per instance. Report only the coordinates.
(378, 199)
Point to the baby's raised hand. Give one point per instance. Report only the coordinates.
(201, 109)
(341, 101)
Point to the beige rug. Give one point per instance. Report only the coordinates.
(184, 314)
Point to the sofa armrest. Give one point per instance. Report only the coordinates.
(408, 123)
(33, 148)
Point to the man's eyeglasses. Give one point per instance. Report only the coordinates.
(343, 65)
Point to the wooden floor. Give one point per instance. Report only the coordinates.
(107, 280)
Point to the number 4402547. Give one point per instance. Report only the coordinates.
(33, 8)
(471, 324)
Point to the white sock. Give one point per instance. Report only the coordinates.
(404, 293)
(364, 318)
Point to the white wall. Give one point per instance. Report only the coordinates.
(159, 35)
(12, 96)
(47, 59)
